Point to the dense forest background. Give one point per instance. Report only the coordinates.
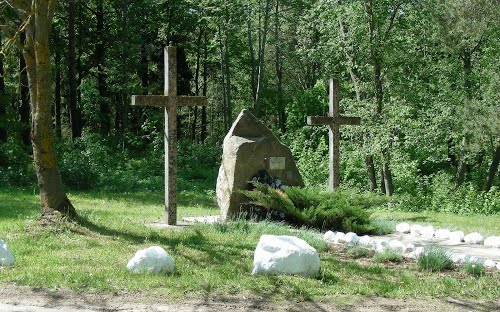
(423, 75)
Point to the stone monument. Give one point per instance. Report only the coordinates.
(248, 148)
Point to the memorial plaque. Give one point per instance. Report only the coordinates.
(276, 163)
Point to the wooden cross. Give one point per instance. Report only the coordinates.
(169, 102)
(334, 121)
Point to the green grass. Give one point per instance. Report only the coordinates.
(90, 255)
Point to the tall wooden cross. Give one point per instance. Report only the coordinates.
(334, 120)
(169, 102)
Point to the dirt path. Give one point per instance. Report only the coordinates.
(25, 299)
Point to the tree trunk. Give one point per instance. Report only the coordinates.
(488, 181)
(24, 107)
(3, 101)
(57, 91)
(462, 164)
(75, 115)
(205, 85)
(370, 169)
(382, 180)
(375, 56)
(279, 74)
(229, 106)
(223, 81)
(251, 53)
(100, 53)
(260, 74)
(37, 56)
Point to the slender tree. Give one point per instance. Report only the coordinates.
(37, 16)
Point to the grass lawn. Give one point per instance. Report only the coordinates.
(90, 254)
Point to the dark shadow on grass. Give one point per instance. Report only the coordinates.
(418, 219)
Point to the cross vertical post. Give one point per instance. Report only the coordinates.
(170, 139)
(169, 102)
(334, 120)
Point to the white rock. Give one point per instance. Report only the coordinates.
(416, 229)
(351, 238)
(285, 255)
(489, 264)
(492, 241)
(456, 236)
(329, 237)
(459, 258)
(498, 265)
(339, 238)
(442, 233)
(427, 231)
(366, 241)
(473, 259)
(151, 260)
(381, 245)
(473, 238)
(408, 248)
(6, 256)
(415, 253)
(403, 227)
(396, 246)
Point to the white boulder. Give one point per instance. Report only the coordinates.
(351, 238)
(285, 255)
(442, 233)
(427, 231)
(381, 245)
(396, 245)
(459, 257)
(408, 248)
(403, 227)
(6, 256)
(492, 241)
(151, 260)
(498, 265)
(473, 238)
(473, 259)
(339, 238)
(416, 253)
(456, 237)
(416, 229)
(489, 264)
(329, 237)
(366, 241)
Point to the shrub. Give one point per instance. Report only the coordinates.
(313, 208)
(357, 252)
(388, 256)
(476, 269)
(435, 259)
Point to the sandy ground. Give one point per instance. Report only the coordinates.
(25, 299)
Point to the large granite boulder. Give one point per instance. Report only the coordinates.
(291, 255)
(250, 147)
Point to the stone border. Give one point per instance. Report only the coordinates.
(410, 251)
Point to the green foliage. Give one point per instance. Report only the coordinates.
(388, 256)
(357, 252)
(475, 269)
(311, 207)
(434, 258)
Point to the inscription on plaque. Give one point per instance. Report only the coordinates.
(277, 163)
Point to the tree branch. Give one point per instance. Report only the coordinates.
(391, 23)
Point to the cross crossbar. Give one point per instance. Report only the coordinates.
(327, 120)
